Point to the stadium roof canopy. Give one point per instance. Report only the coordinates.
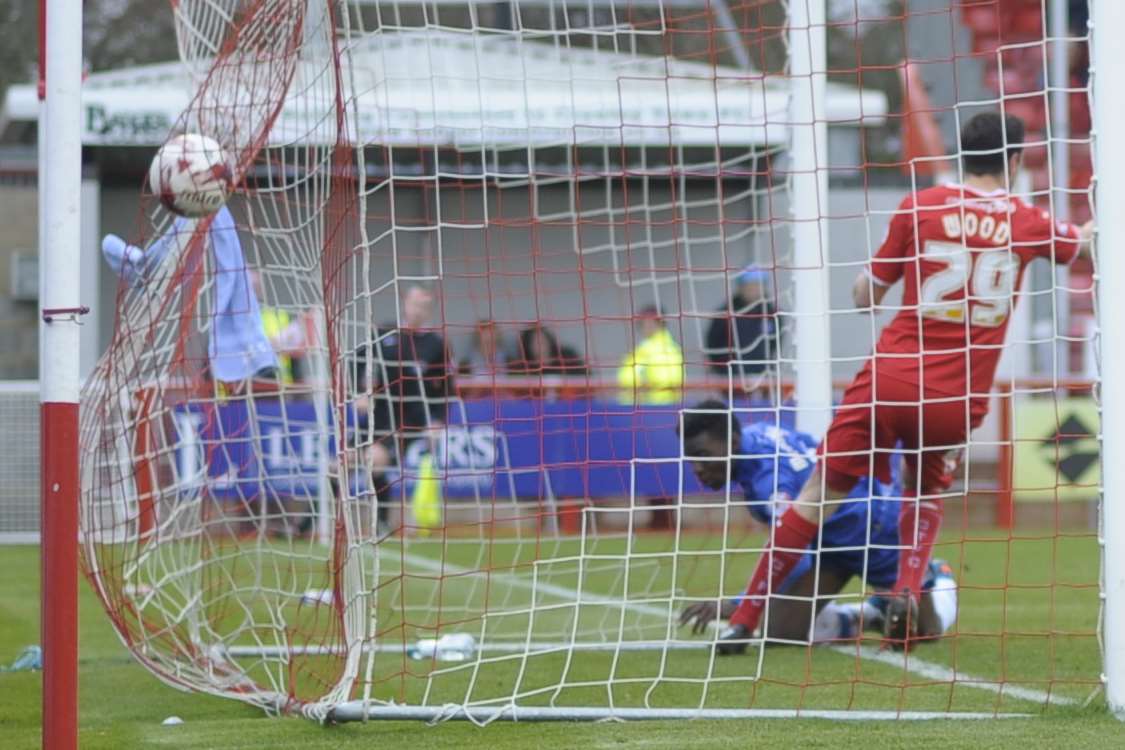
(432, 88)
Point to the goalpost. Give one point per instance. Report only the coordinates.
(1109, 182)
(60, 149)
(563, 167)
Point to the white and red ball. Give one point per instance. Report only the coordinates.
(191, 175)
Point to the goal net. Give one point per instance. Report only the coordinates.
(499, 249)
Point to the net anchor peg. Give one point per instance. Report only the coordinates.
(70, 313)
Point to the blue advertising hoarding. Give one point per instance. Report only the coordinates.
(491, 448)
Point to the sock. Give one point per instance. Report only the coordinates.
(308, 520)
(871, 615)
(836, 622)
(791, 535)
(913, 559)
(864, 612)
(382, 489)
(944, 595)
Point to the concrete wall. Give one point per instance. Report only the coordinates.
(19, 330)
(19, 319)
(120, 215)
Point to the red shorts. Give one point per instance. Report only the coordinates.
(874, 418)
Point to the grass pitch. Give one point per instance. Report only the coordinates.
(1028, 619)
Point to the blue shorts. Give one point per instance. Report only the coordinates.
(877, 566)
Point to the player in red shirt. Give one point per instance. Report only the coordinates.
(961, 252)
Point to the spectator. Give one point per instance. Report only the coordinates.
(405, 393)
(487, 357)
(752, 340)
(653, 373)
(540, 353)
(286, 334)
(237, 348)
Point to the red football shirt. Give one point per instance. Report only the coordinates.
(962, 255)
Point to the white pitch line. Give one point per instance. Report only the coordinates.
(578, 597)
(941, 673)
(920, 667)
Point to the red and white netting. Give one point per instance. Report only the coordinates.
(567, 165)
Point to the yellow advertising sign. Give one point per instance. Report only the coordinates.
(1056, 452)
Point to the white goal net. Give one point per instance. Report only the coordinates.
(501, 253)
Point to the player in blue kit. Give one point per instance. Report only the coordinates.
(771, 464)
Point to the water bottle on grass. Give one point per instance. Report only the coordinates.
(451, 647)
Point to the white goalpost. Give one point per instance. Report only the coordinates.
(808, 150)
(1106, 61)
(60, 311)
(399, 522)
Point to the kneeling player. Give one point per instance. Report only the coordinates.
(771, 464)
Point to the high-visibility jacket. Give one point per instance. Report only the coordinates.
(653, 373)
(426, 499)
(274, 323)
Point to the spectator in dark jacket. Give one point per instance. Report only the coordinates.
(745, 328)
(403, 384)
(410, 383)
(539, 352)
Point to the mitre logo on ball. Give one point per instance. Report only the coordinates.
(191, 175)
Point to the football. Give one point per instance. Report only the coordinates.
(191, 175)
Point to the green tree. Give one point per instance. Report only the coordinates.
(116, 33)
(19, 42)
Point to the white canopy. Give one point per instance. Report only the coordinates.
(451, 89)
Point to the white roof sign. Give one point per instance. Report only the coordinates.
(449, 89)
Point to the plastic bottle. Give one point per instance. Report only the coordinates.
(451, 647)
(456, 647)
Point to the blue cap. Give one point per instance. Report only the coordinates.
(752, 274)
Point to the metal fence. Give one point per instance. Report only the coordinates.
(19, 461)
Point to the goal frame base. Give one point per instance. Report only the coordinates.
(366, 711)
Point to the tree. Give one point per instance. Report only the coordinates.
(116, 33)
(121, 33)
(18, 42)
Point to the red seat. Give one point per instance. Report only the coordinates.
(1023, 23)
(1021, 81)
(980, 19)
(991, 78)
(1079, 112)
(1040, 179)
(985, 47)
(1081, 168)
(1035, 157)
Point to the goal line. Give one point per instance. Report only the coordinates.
(358, 711)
